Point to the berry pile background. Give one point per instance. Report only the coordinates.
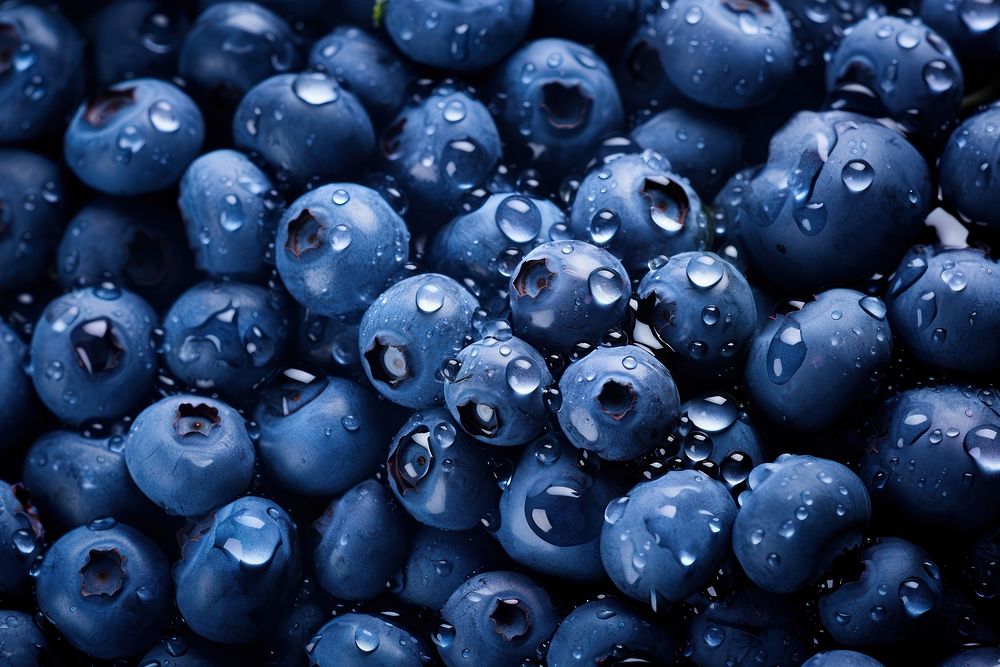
(499, 333)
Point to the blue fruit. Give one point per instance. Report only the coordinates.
(976, 657)
(305, 127)
(15, 395)
(440, 560)
(465, 35)
(725, 54)
(31, 211)
(408, 334)
(21, 641)
(815, 213)
(439, 475)
(951, 433)
(338, 247)
(22, 537)
(365, 639)
(75, 480)
(892, 602)
(905, 66)
(189, 454)
(943, 306)
(137, 38)
(841, 658)
(42, 61)
(365, 65)
(798, 514)
(618, 402)
(236, 572)
(186, 650)
(320, 435)
(138, 136)
(566, 292)
(495, 394)
(495, 619)
(643, 84)
(486, 243)
(129, 242)
(554, 101)
(700, 308)
(667, 537)
(969, 27)
(235, 45)
(807, 367)
(713, 429)
(819, 27)
(702, 147)
(92, 354)
(363, 542)
(329, 343)
(551, 511)
(435, 167)
(966, 172)
(228, 336)
(728, 216)
(638, 209)
(606, 630)
(230, 213)
(106, 589)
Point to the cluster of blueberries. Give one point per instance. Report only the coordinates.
(499, 333)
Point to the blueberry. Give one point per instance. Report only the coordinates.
(306, 127)
(976, 657)
(75, 480)
(807, 367)
(714, 429)
(551, 511)
(365, 639)
(440, 475)
(235, 45)
(495, 619)
(724, 53)
(566, 292)
(969, 27)
(408, 334)
(339, 246)
(933, 458)
(818, 27)
(363, 542)
(486, 243)
(187, 650)
(129, 242)
(42, 62)
(637, 209)
(22, 539)
(608, 630)
(700, 307)
(236, 573)
(943, 306)
(666, 538)
(189, 454)
(966, 168)
(138, 136)
(798, 514)
(106, 588)
(228, 336)
(496, 392)
(365, 65)
(893, 601)
(15, 395)
(230, 213)
(643, 84)
(618, 402)
(21, 641)
(319, 435)
(464, 35)
(440, 560)
(814, 215)
(137, 38)
(907, 68)
(841, 658)
(437, 149)
(555, 100)
(31, 211)
(701, 146)
(329, 343)
(728, 216)
(92, 354)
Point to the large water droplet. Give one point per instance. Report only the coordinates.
(519, 219)
(916, 596)
(606, 286)
(786, 352)
(983, 445)
(430, 298)
(705, 271)
(523, 376)
(366, 639)
(604, 225)
(163, 117)
(315, 89)
(857, 175)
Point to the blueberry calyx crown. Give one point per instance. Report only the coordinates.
(103, 573)
(198, 418)
(99, 108)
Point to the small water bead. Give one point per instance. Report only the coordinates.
(748, 23)
(444, 635)
(873, 306)
(704, 271)
(340, 237)
(454, 111)
(907, 39)
(366, 639)
(430, 298)
(604, 225)
(606, 286)
(954, 278)
(341, 196)
(163, 117)
(938, 76)
(983, 445)
(629, 363)
(24, 541)
(916, 596)
(710, 315)
(712, 414)
(714, 635)
(693, 15)
(857, 175)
